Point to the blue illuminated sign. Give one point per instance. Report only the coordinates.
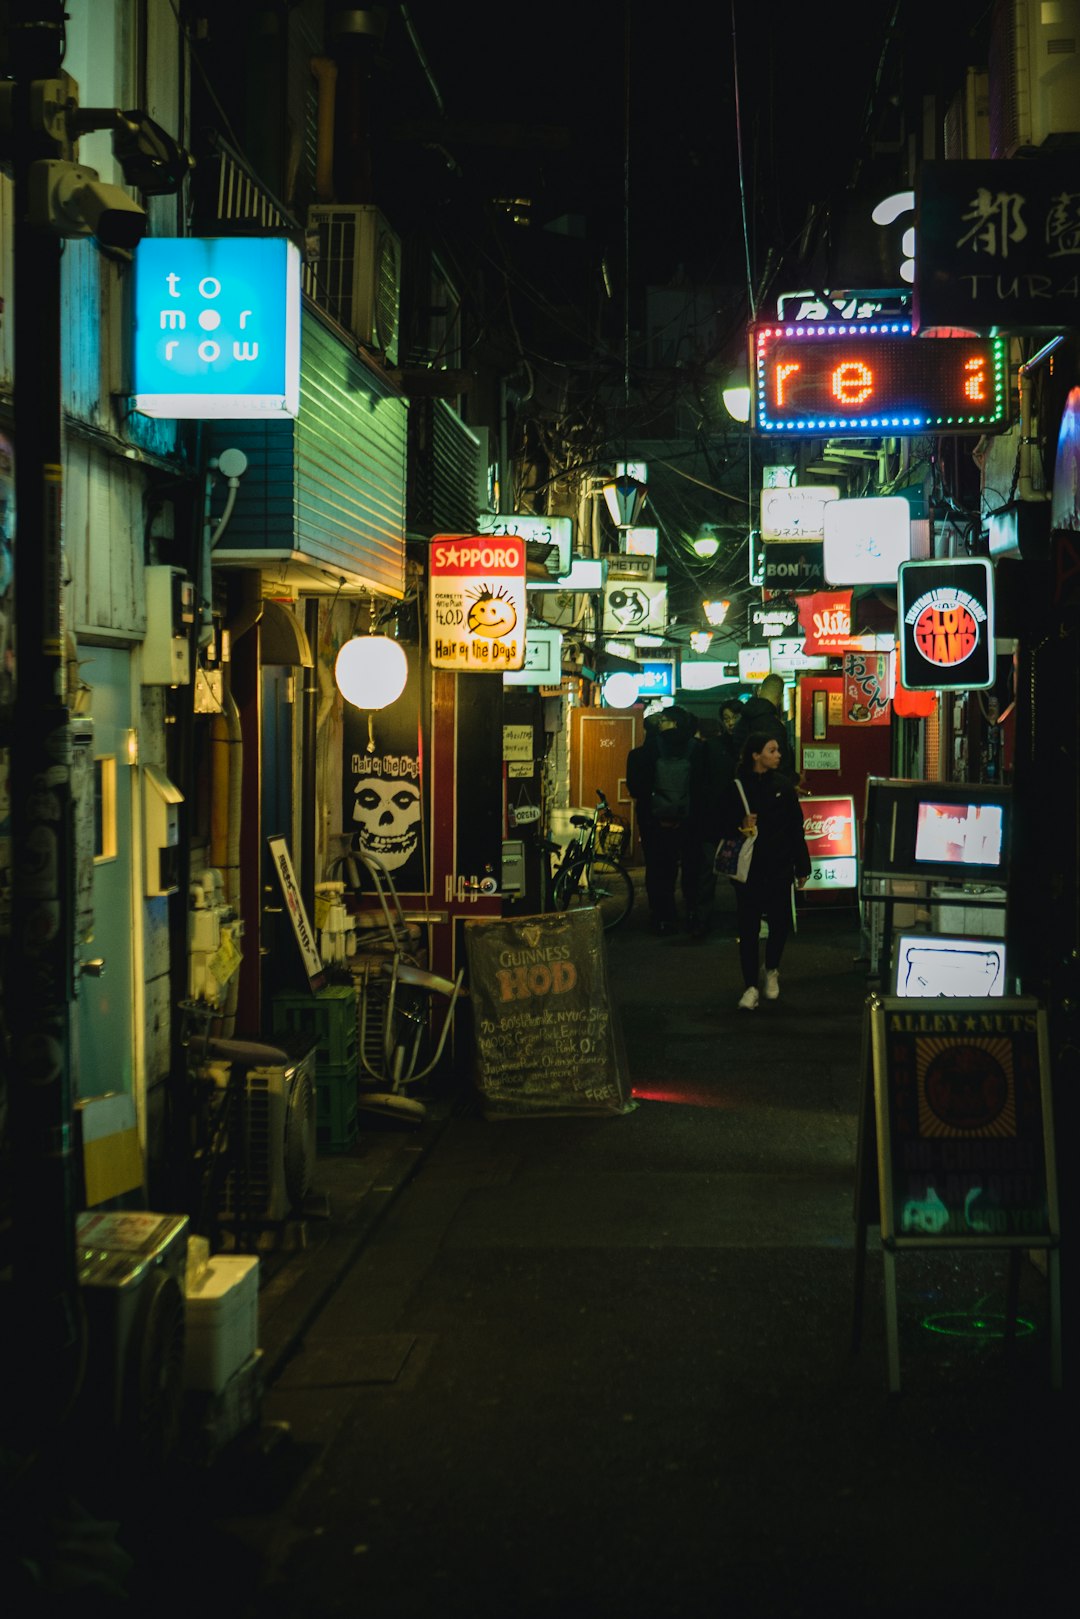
(217, 327)
(656, 679)
(869, 378)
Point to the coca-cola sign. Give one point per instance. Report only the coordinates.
(829, 830)
(829, 826)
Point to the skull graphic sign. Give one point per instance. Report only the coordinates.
(386, 818)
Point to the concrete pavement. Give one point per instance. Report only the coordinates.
(596, 1366)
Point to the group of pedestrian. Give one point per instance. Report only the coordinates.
(686, 789)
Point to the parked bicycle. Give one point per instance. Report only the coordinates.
(591, 871)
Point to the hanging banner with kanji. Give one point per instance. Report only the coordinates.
(867, 686)
(476, 611)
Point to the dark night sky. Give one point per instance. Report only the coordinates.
(801, 108)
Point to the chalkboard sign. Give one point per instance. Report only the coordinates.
(964, 1131)
(547, 1040)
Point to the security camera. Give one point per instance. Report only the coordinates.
(73, 201)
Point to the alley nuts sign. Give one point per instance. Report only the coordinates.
(477, 605)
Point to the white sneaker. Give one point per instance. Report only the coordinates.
(772, 985)
(748, 1000)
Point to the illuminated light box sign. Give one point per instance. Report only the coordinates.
(793, 565)
(829, 830)
(754, 663)
(825, 617)
(217, 327)
(557, 533)
(543, 659)
(866, 540)
(875, 377)
(643, 542)
(640, 608)
(936, 964)
(656, 680)
(585, 573)
(477, 610)
(796, 513)
(945, 611)
(788, 657)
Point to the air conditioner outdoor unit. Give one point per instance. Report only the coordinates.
(1034, 75)
(358, 275)
(272, 1153)
(131, 1267)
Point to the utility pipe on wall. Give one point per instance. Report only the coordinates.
(325, 70)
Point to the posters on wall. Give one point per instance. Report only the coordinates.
(384, 793)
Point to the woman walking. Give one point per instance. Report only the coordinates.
(780, 858)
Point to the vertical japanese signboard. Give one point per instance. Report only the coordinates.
(477, 605)
(867, 684)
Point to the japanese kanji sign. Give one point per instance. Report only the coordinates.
(998, 245)
(867, 684)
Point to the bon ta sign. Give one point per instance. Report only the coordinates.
(217, 327)
(477, 609)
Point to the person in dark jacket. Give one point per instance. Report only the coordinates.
(729, 714)
(764, 713)
(671, 836)
(780, 858)
(717, 770)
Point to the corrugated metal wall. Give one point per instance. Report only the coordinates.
(329, 487)
(444, 469)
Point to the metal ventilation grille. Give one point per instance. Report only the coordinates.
(337, 266)
(250, 1149)
(387, 281)
(359, 274)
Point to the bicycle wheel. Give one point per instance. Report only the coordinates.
(609, 888)
(568, 887)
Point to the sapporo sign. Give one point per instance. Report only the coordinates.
(965, 1141)
(547, 1038)
(477, 610)
(998, 245)
(945, 612)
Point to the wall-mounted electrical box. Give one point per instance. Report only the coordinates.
(161, 831)
(513, 866)
(170, 615)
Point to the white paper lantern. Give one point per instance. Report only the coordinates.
(371, 671)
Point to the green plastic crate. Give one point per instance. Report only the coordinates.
(328, 1018)
(336, 1114)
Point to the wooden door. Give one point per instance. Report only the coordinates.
(600, 739)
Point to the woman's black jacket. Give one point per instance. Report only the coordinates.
(780, 849)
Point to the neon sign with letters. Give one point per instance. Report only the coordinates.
(870, 377)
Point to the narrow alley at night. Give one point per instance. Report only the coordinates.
(539, 788)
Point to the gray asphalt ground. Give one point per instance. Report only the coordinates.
(604, 1366)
